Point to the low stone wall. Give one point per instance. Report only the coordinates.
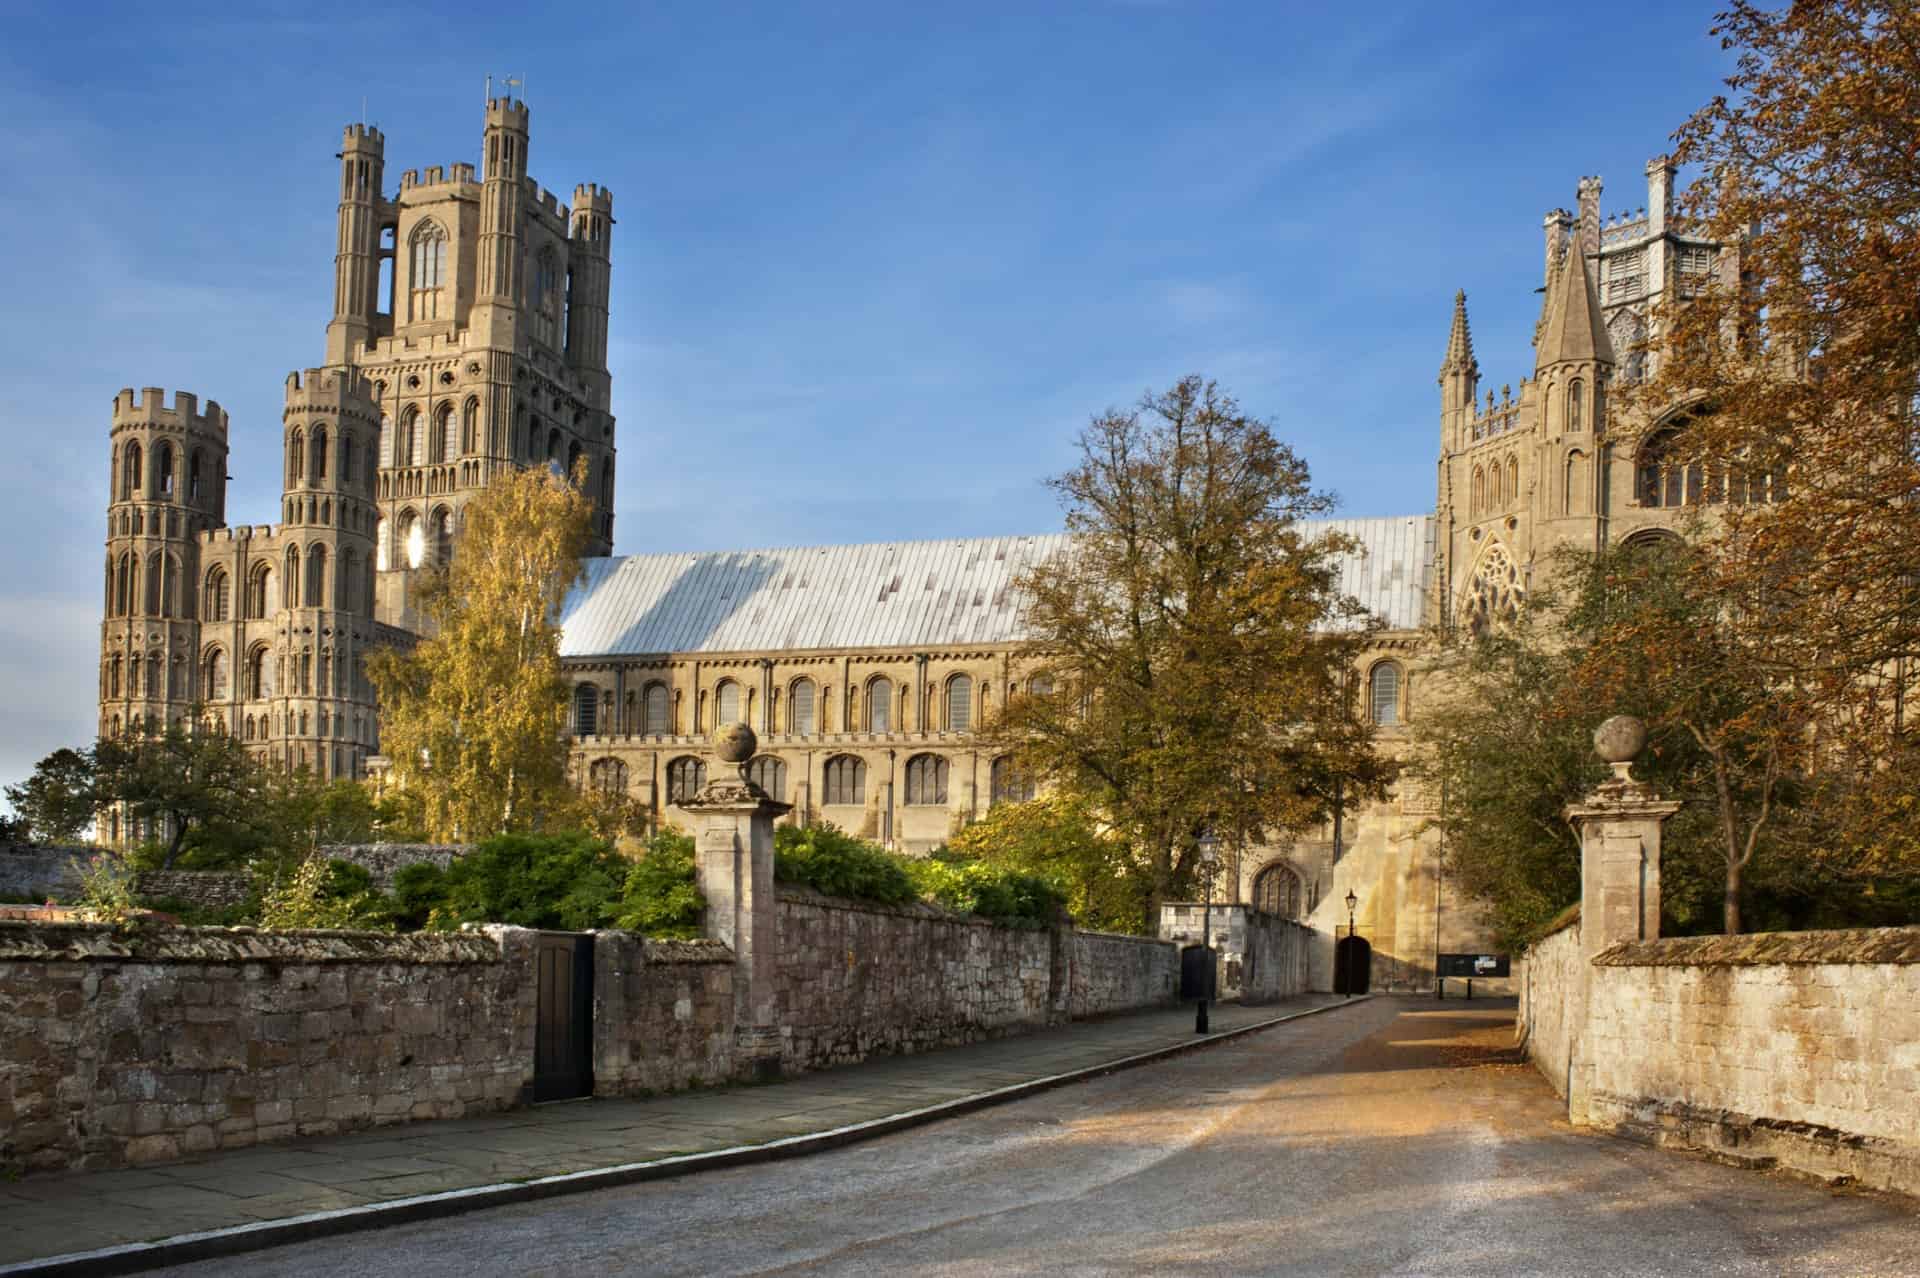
(209, 889)
(663, 1014)
(384, 860)
(143, 1047)
(1111, 973)
(1799, 1047)
(42, 870)
(1551, 978)
(1273, 962)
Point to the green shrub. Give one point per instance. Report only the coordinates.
(830, 861)
(418, 890)
(565, 882)
(660, 898)
(1006, 896)
(308, 898)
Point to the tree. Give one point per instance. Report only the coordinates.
(1799, 356)
(1200, 648)
(56, 804)
(179, 781)
(1056, 837)
(472, 716)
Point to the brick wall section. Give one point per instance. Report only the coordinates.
(1550, 981)
(862, 980)
(141, 1048)
(1111, 973)
(663, 1014)
(1801, 1047)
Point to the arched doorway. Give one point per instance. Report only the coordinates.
(1352, 965)
(1197, 973)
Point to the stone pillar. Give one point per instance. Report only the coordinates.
(1619, 825)
(733, 864)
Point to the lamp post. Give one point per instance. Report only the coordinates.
(1353, 950)
(1209, 854)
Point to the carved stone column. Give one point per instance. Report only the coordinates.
(733, 864)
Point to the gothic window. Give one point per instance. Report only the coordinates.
(316, 576)
(113, 677)
(440, 439)
(194, 466)
(586, 709)
(213, 680)
(657, 709)
(1513, 480)
(553, 447)
(429, 271)
(382, 558)
(960, 703)
(442, 540)
(405, 441)
(317, 468)
(1495, 592)
(124, 584)
(346, 458)
(296, 458)
(470, 428)
(686, 777)
(546, 297)
(800, 708)
(176, 677)
(345, 576)
(163, 471)
(1276, 890)
(325, 686)
(153, 584)
(1041, 685)
(1011, 782)
(608, 776)
(1575, 394)
(215, 608)
(573, 458)
(1579, 484)
(726, 703)
(130, 477)
(1383, 694)
(926, 780)
(260, 598)
(412, 539)
(1627, 334)
(880, 706)
(846, 781)
(770, 774)
(1479, 499)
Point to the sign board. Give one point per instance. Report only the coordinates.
(1474, 965)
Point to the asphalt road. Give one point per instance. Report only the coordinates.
(1394, 1137)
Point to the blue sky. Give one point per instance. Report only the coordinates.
(874, 263)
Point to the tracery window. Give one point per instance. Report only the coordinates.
(1011, 782)
(1277, 890)
(1495, 593)
(770, 774)
(926, 779)
(429, 271)
(1664, 477)
(686, 777)
(1627, 334)
(608, 776)
(846, 780)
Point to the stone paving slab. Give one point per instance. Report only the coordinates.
(66, 1213)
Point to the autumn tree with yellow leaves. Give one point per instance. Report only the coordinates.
(472, 716)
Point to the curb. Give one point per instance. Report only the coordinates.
(127, 1258)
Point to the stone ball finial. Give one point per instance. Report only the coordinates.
(734, 742)
(1620, 739)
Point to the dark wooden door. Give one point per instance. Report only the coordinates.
(1352, 965)
(1196, 972)
(563, 1028)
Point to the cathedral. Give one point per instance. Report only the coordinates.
(469, 335)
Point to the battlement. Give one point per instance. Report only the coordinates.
(150, 407)
(362, 137)
(437, 175)
(242, 532)
(329, 389)
(508, 113)
(591, 195)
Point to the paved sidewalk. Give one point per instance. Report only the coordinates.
(75, 1212)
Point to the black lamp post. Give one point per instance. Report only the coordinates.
(1209, 857)
(1353, 950)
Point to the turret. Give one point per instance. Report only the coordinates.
(589, 250)
(356, 266)
(497, 292)
(1459, 378)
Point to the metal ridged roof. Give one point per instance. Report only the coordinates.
(898, 594)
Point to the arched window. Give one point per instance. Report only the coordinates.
(124, 585)
(382, 559)
(800, 708)
(153, 584)
(1276, 890)
(406, 439)
(296, 457)
(346, 577)
(194, 484)
(440, 441)
(1579, 484)
(657, 711)
(259, 675)
(1011, 782)
(130, 476)
(260, 600)
(1041, 685)
(317, 467)
(429, 271)
(470, 428)
(413, 540)
(1383, 694)
(215, 608)
(442, 541)
(316, 576)
(553, 447)
(1576, 394)
(163, 471)
(1513, 480)
(770, 774)
(586, 709)
(880, 706)
(1495, 593)
(686, 777)
(546, 297)
(608, 776)
(846, 781)
(926, 780)
(113, 676)
(726, 703)
(1479, 502)
(213, 679)
(960, 703)
(346, 458)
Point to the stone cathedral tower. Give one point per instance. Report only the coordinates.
(469, 336)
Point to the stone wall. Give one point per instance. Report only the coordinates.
(384, 860)
(1273, 961)
(143, 1047)
(1800, 1047)
(1111, 973)
(1551, 983)
(41, 871)
(209, 889)
(859, 980)
(663, 1014)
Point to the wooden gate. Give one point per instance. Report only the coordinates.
(1197, 974)
(563, 1027)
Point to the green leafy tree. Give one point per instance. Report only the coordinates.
(829, 860)
(660, 897)
(179, 780)
(472, 715)
(57, 803)
(1057, 838)
(570, 882)
(1201, 649)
